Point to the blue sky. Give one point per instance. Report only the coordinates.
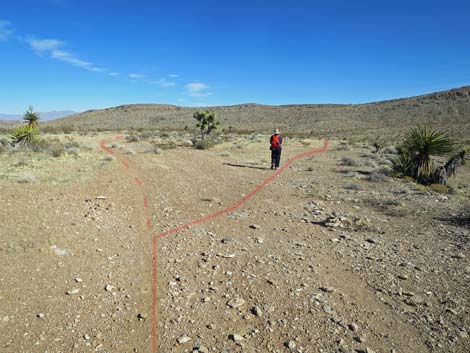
(80, 54)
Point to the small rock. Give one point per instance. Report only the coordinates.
(183, 339)
(353, 327)
(372, 240)
(291, 345)
(86, 337)
(236, 337)
(141, 317)
(73, 291)
(41, 315)
(327, 309)
(109, 288)
(101, 197)
(327, 289)
(257, 311)
(78, 280)
(254, 226)
(235, 303)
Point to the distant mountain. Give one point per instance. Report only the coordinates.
(9, 117)
(43, 116)
(448, 109)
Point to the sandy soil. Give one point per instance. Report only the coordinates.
(326, 258)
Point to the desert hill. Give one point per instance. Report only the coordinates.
(448, 109)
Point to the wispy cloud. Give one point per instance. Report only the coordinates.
(136, 76)
(53, 48)
(113, 73)
(163, 82)
(197, 89)
(173, 75)
(44, 45)
(5, 30)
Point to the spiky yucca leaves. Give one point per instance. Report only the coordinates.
(422, 143)
(31, 117)
(402, 165)
(27, 135)
(207, 122)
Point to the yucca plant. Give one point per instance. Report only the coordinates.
(31, 117)
(402, 165)
(27, 135)
(422, 143)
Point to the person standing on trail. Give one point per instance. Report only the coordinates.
(276, 149)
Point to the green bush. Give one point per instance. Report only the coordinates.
(56, 149)
(203, 144)
(27, 135)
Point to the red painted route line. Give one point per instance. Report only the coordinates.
(249, 195)
(232, 208)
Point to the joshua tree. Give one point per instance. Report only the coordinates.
(31, 117)
(207, 122)
(422, 143)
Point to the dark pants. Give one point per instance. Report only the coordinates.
(275, 157)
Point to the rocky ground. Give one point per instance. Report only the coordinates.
(332, 256)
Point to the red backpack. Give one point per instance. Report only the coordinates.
(275, 141)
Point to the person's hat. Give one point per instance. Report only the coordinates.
(276, 131)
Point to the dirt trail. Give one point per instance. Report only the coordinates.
(263, 278)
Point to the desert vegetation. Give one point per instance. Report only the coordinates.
(416, 156)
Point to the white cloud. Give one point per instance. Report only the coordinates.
(5, 30)
(163, 82)
(173, 75)
(53, 47)
(136, 76)
(44, 45)
(113, 74)
(197, 89)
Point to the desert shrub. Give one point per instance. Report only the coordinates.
(56, 149)
(4, 142)
(73, 151)
(225, 154)
(21, 163)
(391, 150)
(439, 188)
(347, 161)
(26, 178)
(203, 144)
(132, 138)
(2, 149)
(461, 218)
(27, 135)
(67, 129)
(71, 144)
(378, 176)
(109, 158)
(355, 187)
(153, 149)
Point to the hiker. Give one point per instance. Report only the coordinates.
(276, 148)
